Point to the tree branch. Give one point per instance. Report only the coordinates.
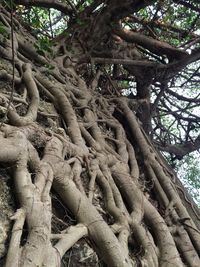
(180, 150)
(48, 4)
(188, 5)
(138, 63)
(155, 46)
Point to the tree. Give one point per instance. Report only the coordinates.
(85, 114)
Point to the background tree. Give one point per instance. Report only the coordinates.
(92, 93)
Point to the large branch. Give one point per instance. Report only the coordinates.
(188, 59)
(114, 11)
(181, 150)
(129, 62)
(121, 9)
(48, 4)
(155, 46)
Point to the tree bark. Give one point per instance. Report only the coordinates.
(64, 139)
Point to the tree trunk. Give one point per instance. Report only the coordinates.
(83, 170)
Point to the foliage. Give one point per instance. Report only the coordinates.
(188, 169)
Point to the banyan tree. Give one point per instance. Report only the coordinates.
(94, 96)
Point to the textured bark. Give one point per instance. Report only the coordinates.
(63, 139)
